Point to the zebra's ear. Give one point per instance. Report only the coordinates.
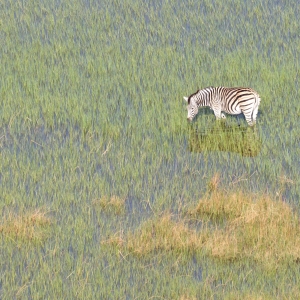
(186, 98)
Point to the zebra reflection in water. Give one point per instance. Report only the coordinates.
(222, 137)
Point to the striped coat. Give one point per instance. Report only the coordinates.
(222, 99)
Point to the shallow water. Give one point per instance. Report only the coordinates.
(92, 106)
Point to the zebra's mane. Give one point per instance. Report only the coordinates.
(205, 89)
(189, 99)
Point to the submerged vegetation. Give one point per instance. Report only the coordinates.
(93, 128)
(235, 139)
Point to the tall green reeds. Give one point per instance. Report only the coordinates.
(93, 128)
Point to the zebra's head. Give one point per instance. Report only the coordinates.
(192, 109)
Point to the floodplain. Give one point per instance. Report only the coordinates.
(107, 192)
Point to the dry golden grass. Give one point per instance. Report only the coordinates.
(262, 229)
(185, 297)
(243, 296)
(213, 184)
(30, 226)
(115, 240)
(112, 204)
(233, 296)
(164, 234)
(251, 226)
(221, 205)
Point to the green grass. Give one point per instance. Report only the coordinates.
(92, 110)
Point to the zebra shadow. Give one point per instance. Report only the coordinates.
(229, 138)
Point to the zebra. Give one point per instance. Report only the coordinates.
(233, 101)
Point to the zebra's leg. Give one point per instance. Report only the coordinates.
(248, 117)
(248, 113)
(219, 115)
(222, 115)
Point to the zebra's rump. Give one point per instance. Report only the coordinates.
(237, 100)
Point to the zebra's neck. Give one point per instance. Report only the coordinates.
(204, 97)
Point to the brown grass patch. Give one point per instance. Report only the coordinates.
(30, 226)
(240, 226)
(186, 297)
(262, 229)
(213, 184)
(163, 233)
(115, 240)
(246, 296)
(113, 204)
(221, 205)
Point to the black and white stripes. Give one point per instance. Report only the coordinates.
(229, 100)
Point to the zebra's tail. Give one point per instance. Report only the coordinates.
(255, 109)
(257, 99)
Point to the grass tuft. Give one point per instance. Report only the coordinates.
(185, 297)
(162, 233)
(115, 240)
(248, 296)
(30, 226)
(262, 229)
(113, 204)
(214, 182)
(220, 206)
